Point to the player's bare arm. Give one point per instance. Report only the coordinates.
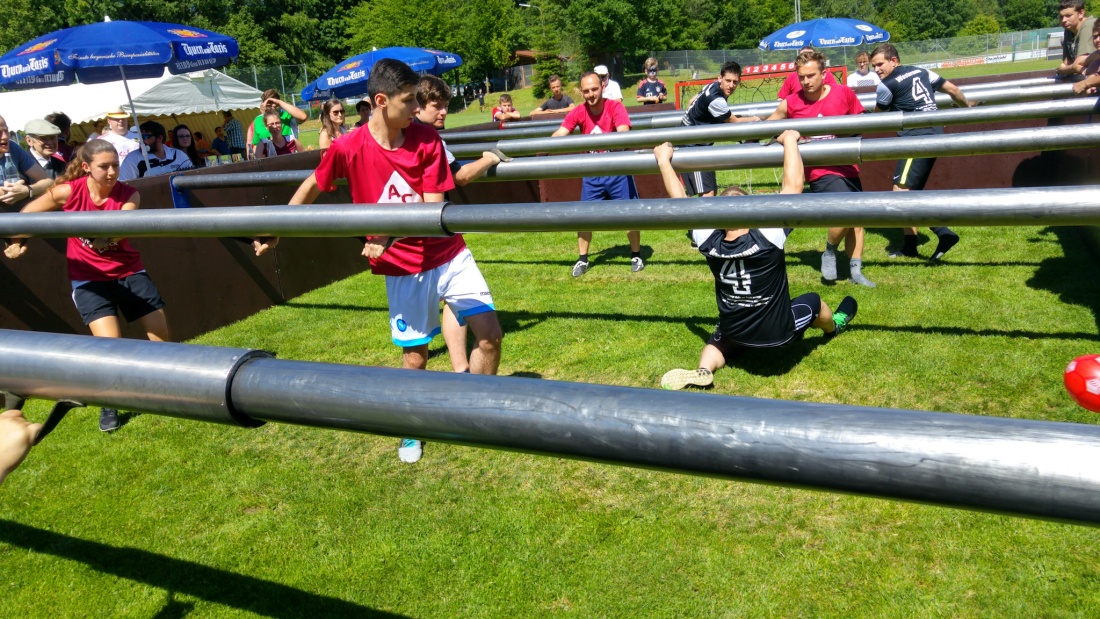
(473, 171)
(780, 112)
(794, 176)
(956, 94)
(673, 187)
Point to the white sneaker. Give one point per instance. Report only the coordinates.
(410, 450)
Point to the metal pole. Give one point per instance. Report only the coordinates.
(833, 125)
(1018, 467)
(1004, 94)
(1051, 206)
(817, 153)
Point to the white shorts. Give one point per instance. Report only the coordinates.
(414, 299)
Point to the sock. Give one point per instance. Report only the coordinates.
(855, 265)
(831, 248)
(909, 246)
(583, 258)
(635, 254)
(941, 230)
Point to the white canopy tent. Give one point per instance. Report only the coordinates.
(194, 99)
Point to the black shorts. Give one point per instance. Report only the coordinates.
(913, 173)
(833, 183)
(697, 183)
(135, 296)
(804, 309)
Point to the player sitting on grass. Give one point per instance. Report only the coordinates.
(750, 280)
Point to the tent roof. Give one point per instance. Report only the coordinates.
(190, 93)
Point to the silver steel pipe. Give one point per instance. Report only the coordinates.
(1071, 206)
(833, 125)
(1077, 206)
(317, 220)
(191, 382)
(1017, 467)
(241, 179)
(817, 153)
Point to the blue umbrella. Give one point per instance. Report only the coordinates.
(831, 32)
(349, 78)
(114, 50)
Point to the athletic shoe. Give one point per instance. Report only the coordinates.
(692, 239)
(844, 314)
(108, 420)
(902, 253)
(675, 380)
(828, 266)
(859, 278)
(410, 450)
(947, 241)
(580, 268)
(636, 265)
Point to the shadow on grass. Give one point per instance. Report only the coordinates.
(246, 593)
(765, 362)
(1071, 276)
(812, 259)
(1031, 335)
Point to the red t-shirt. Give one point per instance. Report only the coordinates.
(117, 261)
(791, 85)
(838, 102)
(379, 176)
(613, 115)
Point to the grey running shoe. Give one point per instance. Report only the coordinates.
(108, 420)
(580, 268)
(902, 253)
(675, 380)
(636, 265)
(859, 278)
(828, 266)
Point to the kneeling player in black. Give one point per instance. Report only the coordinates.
(750, 281)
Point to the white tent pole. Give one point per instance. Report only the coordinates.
(133, 112)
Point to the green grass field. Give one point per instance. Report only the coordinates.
(168, 518)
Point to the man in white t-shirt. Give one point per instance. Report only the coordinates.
(611, 88)
(162, 159)
(117, 133)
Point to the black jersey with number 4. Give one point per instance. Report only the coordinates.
(908, 89)
(750, 284)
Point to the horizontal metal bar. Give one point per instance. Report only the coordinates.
(816, 153)
(987, 95)
(316, 220)
(978, 207)
(240, 179)
(1011, 466)
(191, 382)
(833, 125)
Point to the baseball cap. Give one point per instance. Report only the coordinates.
(38, 126)
(118, 113)
(600, 69)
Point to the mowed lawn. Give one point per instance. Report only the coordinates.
(171, 518)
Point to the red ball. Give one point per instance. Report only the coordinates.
(1082, 380)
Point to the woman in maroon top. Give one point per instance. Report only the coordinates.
(277, 144)
(106, 273)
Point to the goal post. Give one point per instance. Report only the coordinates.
(759, 83)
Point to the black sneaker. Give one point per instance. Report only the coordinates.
(108, 420)
(947, 241)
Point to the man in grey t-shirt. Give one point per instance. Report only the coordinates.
(1076, 38)
(558, 101)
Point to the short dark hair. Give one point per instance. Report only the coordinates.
(887, 50)
(810, 56)
(363, 103)
(1076, 5)
(505, 98)
(588, 73)
(553, 78)
(389, 76)
(270, 93)
(60, 120)
(730, 67)
(432, 89)
(154, 129)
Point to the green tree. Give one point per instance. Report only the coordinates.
(1025, 14)
(981, 24)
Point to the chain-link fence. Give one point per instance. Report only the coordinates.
(934, 53)
(288, 79)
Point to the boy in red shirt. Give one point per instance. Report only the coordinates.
(393, 159)
(600, 115)
(819, 98)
